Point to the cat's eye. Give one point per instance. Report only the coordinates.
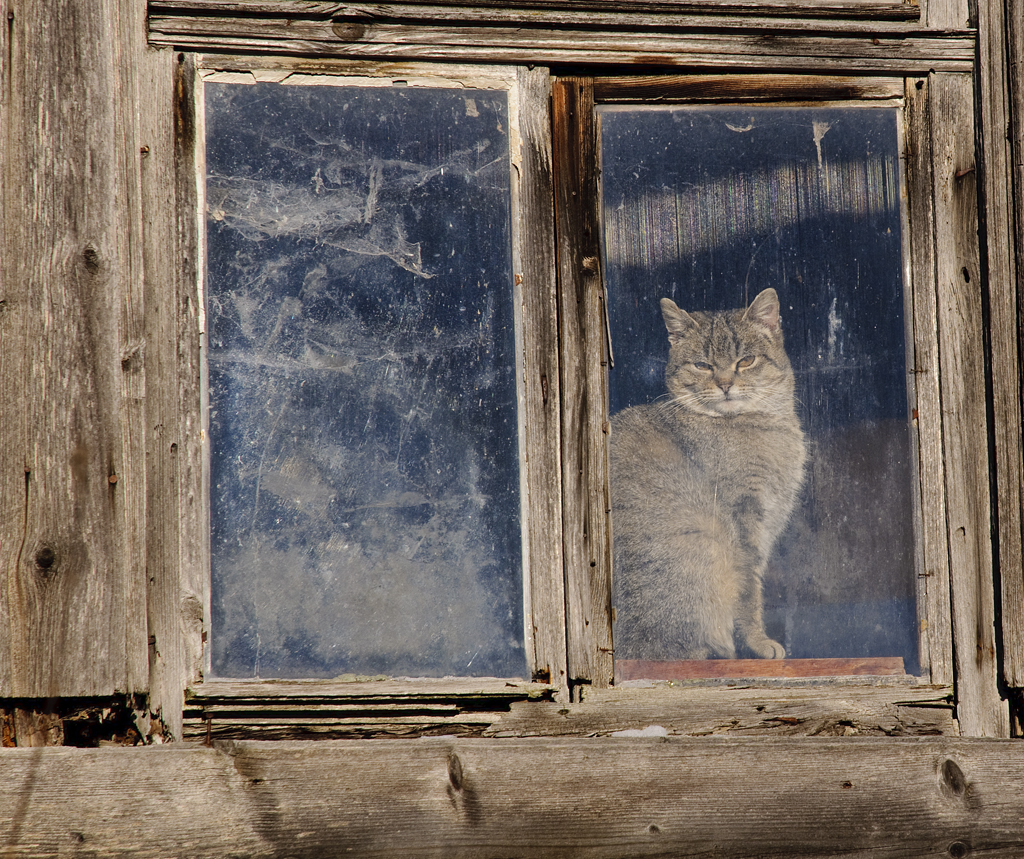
(746, 362)
(703, 366)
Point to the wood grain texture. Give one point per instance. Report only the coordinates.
(380, 708)
(72, 438)
(191, 504)
(1001, 192)
(743, 89)
(586, 505)
(838, 709)
(795, 48)
(696, 669)
(536, 276)
(13, 370)
(312, 710)
(590, 15)
(935, 628)
(600, 797)
(964, 421)
(1013, 625)
(874, 10)
(947, 13)
(168, 524)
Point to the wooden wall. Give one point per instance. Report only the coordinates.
(101, 572)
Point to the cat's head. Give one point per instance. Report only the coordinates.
(731, 362)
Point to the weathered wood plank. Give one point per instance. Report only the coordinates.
(168, 672)
(536, 797)
(296, 709)
(843, 9)
(947, 13)
(444, 688)
(1013, 632)
(638, 16)
(838, 709)
(685, 710)
(737, 89)
(935, 633)
(787, 50)
(71, 435)
(586, 525)
(535, 272)
(964, 421)
(1003, 298)
(14, 332)
(696, 669)
(1014, 23)
(191, 505)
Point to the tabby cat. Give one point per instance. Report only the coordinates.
(703, 482)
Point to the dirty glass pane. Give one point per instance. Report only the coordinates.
(710, 207)
(365, 509)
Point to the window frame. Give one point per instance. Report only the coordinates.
(938, 107)
(535, 312)
(785, 91)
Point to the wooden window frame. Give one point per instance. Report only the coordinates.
(566, 275)
(856, 51)
(533, 298)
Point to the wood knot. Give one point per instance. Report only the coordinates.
(348, 31)
(91, 258)
(45, 559)
(954, 782)
(455, 771)
(959, 850)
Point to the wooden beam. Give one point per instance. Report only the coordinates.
(312, 710)
(999, 86)
(935, 626)
(540, 797)
(744, 89)
(536, 284)
(72, 369)
(759, 45)
(873, 10)
(841, 710)
(964, 419)
(586, 505)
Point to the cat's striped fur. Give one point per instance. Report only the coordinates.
(703, 482)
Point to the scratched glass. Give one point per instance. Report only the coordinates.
(709, 206)
(364, 491)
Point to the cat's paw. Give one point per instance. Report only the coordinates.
(766, 648)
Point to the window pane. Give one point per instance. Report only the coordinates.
(709, 207)
(365, 509)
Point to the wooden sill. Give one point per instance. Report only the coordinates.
(696, 669)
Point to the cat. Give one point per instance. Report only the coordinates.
(703, 482)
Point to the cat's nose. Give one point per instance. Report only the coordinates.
(725, 384)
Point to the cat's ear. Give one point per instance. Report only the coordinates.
(677, 320)
(764, 310)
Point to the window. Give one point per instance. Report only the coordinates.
(651, 216)
(707, 206)
(872, 208)
(374, 379)
(364, 426)
(365, 400)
